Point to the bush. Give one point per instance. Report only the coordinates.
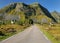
(1, 34)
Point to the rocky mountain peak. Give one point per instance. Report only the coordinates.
(31, 11)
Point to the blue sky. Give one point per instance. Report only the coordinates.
(51, 5)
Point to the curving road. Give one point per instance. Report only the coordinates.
(30, 35)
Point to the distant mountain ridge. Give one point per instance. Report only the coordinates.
(56, 15)
(25, 13)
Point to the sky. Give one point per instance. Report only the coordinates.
(51, 5)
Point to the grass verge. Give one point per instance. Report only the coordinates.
(7, 31)
(51, 32)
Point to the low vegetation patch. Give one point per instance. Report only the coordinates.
(51, 31)
(9, 30)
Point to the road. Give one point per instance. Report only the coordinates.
(30, 35)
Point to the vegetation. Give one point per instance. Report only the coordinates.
(28, 12)
(51, 31)
(16, 17)
(9, 30)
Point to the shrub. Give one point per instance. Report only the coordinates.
(1, 33)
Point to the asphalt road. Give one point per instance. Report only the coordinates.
(30, 35)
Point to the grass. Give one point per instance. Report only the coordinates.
(52, 32)
(4, 37)
(6, 29)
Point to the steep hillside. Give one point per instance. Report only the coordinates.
(56, 15)
(24, 13)
(42, 13)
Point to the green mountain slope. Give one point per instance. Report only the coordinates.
(24, 13)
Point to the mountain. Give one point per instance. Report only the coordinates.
(56, 15)
(23, 13)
